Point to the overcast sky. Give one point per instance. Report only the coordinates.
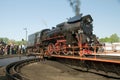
(35, 15)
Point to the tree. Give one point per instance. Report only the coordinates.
(6, 40)
(114, 38)
(11, 41)
(106, 39)
(111, 39)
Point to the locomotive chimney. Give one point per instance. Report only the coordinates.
(53, 27)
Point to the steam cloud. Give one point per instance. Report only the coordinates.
(75, 4)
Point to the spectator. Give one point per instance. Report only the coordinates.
(8, 49)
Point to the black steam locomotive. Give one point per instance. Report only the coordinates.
(74, 37)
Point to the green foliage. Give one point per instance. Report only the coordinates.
(114, 38)
(8, 41)
(111, 39)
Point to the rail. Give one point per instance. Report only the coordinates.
(13, 69)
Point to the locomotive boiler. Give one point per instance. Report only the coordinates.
(74, 37)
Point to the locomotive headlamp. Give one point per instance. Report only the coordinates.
(69, 45)
(88, 20)
(80, 31)
(88, 39)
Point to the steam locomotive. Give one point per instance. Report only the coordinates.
(74, 37)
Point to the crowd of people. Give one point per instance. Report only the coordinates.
(7, 49)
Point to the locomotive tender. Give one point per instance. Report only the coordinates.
(74, 37)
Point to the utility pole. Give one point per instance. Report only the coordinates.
(24, 51)
(26, 33)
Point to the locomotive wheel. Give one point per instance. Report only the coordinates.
(59, 52)
(54, 52)
(51, 48)
(67, 52)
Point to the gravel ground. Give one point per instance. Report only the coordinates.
(2, 73)
(50, 70)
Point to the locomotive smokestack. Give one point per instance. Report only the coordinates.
(75, 4)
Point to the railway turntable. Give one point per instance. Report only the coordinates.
(101, 64)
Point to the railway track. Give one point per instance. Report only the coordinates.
(108, 69)
(13, 69)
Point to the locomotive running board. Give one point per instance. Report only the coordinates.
(108, 68)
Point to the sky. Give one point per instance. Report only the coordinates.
(35, 15)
